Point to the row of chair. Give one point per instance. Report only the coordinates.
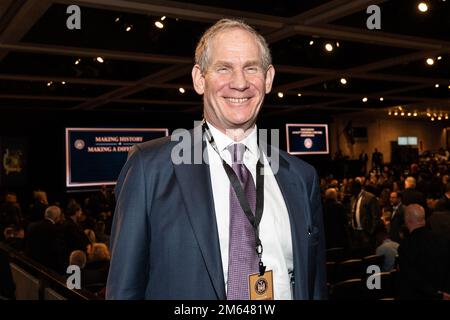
(353, 268)
(380, 286)
(339, 254)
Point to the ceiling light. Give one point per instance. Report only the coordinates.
(389, 113)
(181, 90)
(402, 114)
(280, 95)
(329, 47)
(449, 86)
(364, 99)
(63, 82)
(343, 81)
(49, 83)
(159, 24)
(432, 119)
(299, 94)
(434, 114)
(423, 7)
(428, 114)
(439, 58)
(415, 114)
(128, 28)
(381, 99)
(436, 85)
(337, 44)
(395, 113)
(439, 118)
(400, 108)
(117, 19)
(430, 61)
(409, 114)
(446, 117)
(163, 18)
(311, 42)
(78, 61)
(100, 59)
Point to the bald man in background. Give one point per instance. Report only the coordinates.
(424, 260)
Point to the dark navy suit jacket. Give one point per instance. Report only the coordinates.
(164, 240)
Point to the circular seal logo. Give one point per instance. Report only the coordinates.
(79, 144)
(308, 143)
(261, 286)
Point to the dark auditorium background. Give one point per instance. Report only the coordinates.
(129, 67)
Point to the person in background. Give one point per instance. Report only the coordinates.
(396, 220)
(386, 248)
(43, 241)
(424, 260)
(335, 220)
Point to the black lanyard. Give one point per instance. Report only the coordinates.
(254, 219)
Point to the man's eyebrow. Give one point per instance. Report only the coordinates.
(222, 64)
(252, 63)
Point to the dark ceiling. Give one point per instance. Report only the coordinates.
(45, 65)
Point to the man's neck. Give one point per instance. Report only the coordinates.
(235, 134)
(416, 226)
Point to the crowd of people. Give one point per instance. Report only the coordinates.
(56, 236)
(402, 215)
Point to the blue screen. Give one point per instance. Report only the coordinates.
(307, 138)
(95, 156)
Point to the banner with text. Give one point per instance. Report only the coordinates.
(95, 156)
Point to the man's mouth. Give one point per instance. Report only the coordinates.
(236, 100)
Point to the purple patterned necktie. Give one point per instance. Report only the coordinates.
(243, 259)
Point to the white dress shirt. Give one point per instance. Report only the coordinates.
(275, 228)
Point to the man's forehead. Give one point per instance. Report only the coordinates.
(245, 62)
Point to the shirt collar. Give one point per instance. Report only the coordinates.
(223, 141)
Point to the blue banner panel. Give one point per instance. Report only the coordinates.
(95, 156)
(307, 138)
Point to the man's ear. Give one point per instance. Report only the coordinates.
(270, 74)
(198, 79)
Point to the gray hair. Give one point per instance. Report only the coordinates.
(202, 51)
(53, 213)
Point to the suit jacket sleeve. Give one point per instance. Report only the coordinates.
(320, 287)
(130, 236)
(374, 214)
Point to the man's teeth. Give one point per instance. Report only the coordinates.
(237, 100)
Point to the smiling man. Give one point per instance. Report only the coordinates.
(219, 230)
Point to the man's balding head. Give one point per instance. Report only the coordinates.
(331, 193)
(414, 217)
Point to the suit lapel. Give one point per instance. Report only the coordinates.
(293, 195)
(194, 181)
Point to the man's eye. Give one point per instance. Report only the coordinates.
(252, 69)
(222, 69)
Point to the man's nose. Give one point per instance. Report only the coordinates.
(239, 80)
